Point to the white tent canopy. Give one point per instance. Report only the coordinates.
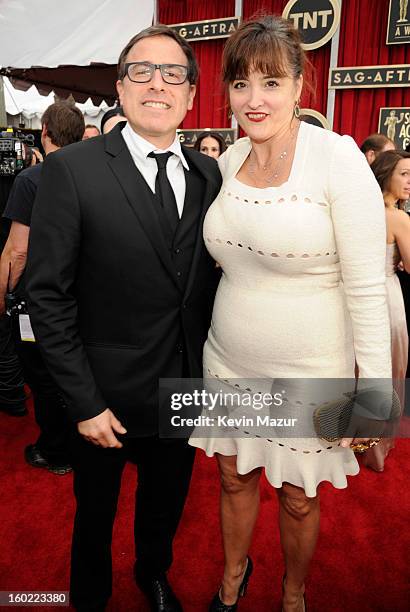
(68, 47)
(50, 33)
(30, 105)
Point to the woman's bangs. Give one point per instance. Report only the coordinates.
(256, 55)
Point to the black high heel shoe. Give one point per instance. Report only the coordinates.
(217, 605)
(283, 592)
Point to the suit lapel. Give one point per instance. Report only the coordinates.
(209, 195)
(138, 195)
(194, 193)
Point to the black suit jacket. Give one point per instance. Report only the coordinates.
(106, 305)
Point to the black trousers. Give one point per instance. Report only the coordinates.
(164, 473)
(49, 407)
(12, 396)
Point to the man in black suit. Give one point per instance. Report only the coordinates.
(121, 290)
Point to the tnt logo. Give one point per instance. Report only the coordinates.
(311, 20)
(317, 20)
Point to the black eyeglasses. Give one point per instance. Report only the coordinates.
(142, 72)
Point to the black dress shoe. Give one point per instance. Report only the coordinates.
(159, 593)
(217, 605)
(34, 457)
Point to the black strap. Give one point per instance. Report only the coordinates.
(164, 189)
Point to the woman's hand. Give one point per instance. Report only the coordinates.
(359, 443)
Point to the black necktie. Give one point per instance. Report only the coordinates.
(164, 190)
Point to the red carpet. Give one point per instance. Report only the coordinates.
(361, 563)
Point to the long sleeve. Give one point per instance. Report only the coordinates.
(53, 258)
(360, 232)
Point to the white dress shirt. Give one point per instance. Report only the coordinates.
(140, 149)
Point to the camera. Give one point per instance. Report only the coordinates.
(15, 305)
(16, 151)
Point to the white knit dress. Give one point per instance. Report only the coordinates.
(302, 293)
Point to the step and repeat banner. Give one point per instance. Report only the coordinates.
(395, 124)
(318, 22)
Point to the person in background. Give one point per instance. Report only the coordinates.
(210, 143)
(376, 144)
(111, 117)
(62, 124)
(300, 211)
(392, 172)
(12, 394)
(91, 131)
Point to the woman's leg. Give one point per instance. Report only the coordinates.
(299, 527)
(239, 510)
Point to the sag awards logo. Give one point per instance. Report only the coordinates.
(208, 29)
(398, 28)
(189, 137)
(370, 76)
(394, 122)
(316, 20)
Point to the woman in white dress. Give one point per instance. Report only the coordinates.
(298, 211)
(392, 172)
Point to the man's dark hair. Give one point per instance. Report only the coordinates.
(161, 30)
(64, 123)
(111, 112)
(91, 125)
(375, 142)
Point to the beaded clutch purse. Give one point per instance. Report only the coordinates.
(333, 420)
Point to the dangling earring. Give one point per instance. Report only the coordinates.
(296, 110)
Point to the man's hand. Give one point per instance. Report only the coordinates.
(100, 430)
(13, 259)
(36, 157)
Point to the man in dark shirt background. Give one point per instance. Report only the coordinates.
(62, 124)
(12, 394)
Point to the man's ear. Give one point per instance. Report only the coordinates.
(120, 89)
(191, 96)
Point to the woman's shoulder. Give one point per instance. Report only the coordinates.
(234, 154)
(334, 151)
(328, 138)
(240, 146)
(397, 216)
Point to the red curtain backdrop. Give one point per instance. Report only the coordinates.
(363, 43)
(210, 105)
